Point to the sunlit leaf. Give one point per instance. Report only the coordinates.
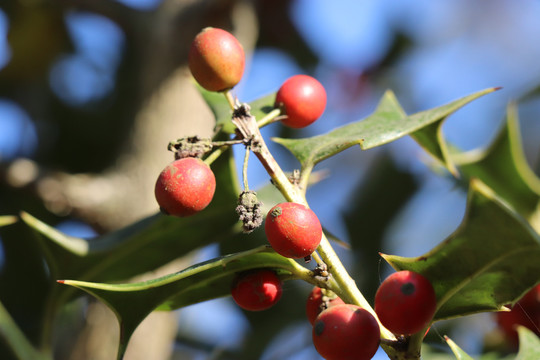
(144, 245)
(490, 260)
(503, 167)
(388, 123)
(208, 280)
(431, 137)
(380, 127)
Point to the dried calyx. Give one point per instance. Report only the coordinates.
(249, 211)
(192, 146)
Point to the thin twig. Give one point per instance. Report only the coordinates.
(244, 169)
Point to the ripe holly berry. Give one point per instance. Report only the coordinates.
(185, 187)
(405, 302)
(318, 301)
(216, 59)
(346, 332)
(303, 99)
(293, 230)
(526, 312)
(257, 290)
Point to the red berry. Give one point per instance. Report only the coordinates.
(303, 99)
(526, 312)
(185, 187)
(531, 300)
(216, 59)
(405, 302)
(293, 230)
(314, 303)
(346, 332)
(256, 291)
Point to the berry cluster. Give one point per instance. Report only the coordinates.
(405, 302)
(216, 60)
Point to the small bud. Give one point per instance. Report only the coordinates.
(249, 211)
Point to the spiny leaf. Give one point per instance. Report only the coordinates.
(503, 167)
(388, 123)
(383, 126)
(144, 245)
(529, 345)
(490, 260)
(208, 280)
(458, 352)
(431, 138)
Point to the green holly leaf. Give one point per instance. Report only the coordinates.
(384, 125)
(144, 245)
(458, 352)
(388, 123)
(208, 280)
(529, 345)
(503, 167)
(489, 261)
(431, 137)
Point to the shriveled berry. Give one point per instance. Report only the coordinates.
(405, 302)
(216, 59)
(526, 312)
(303, 98)
(258, 290)
(185, 187)
(318, 301)
(346, 332)
(293, 230)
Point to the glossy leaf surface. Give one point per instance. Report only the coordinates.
(204, 281)
(388, 123)
(489, 261)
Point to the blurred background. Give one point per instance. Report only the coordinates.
(92, 91)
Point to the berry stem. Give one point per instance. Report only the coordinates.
(222, 146)
(317, 258)
(215, 154)
(230, 99)
(304, 179)
(245, 167)
(271, 117)
(346, 287)
(227, 143)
